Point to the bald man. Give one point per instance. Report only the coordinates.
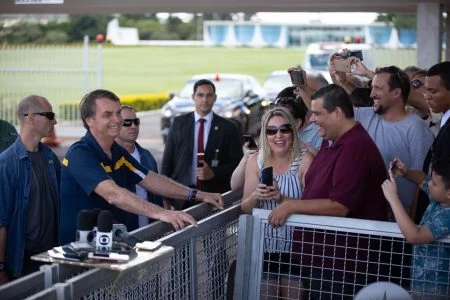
(29, 196)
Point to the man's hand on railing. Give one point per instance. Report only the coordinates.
(178, 219)
(213, 198)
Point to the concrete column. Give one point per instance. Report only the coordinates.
(429, 34)
(447, 34)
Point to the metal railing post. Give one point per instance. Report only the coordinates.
(100, 66)
(193, 267)
(86, 64)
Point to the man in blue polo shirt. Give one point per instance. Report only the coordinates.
(98, 173)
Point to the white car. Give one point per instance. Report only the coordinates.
(275, 82)
(317, 55)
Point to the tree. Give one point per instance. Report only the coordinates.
(399, 21)
(90, 25)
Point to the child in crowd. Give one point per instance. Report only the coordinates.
(430, 274)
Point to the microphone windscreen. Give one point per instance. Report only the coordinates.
(105, 221)
(96, 211)
(85, 220)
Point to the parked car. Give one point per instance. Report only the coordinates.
(240, 98)
(275, 82)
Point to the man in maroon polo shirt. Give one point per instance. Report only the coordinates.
(344, 180)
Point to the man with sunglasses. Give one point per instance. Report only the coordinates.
(29, 195)
(98, 173)
(127, 139)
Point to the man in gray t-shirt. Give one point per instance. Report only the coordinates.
(396, 133)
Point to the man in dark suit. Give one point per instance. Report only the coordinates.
(202, 150)
(437, 94)
(209, 164)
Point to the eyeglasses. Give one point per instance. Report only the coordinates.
(128, 122)
(416, 83)
(49, 115)
(284, 129)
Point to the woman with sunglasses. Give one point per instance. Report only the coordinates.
(280, 149)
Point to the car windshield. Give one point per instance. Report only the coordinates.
(225, 89)
(319, 61)
(277, 82)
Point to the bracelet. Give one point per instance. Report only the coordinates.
(192, 195)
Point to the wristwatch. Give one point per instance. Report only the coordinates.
(2, 266)
(192, 195)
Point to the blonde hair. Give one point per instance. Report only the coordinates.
(264, 144)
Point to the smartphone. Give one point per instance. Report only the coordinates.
(251, 142)
(267, 176)
(392, 165)
(200, 158)
(342, 65)
(356, 53)
(297, 77)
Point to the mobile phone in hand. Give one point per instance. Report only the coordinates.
(356, 53)
(392, 166)
(297, 76)
(342, 65)
(251, 142)
(200, 158)
(267, 176)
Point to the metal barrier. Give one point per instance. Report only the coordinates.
(331, 258)
(197, 269)
(63, 74)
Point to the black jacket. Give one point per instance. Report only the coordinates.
(223, 136)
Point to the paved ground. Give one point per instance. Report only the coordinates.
(149, 136)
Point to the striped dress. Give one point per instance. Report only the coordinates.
(279, 239)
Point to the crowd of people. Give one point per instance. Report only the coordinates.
(359, 147)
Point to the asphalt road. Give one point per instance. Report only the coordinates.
(149, 135)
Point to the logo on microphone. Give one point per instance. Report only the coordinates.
(104, 240)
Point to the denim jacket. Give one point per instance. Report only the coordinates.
(15, 178)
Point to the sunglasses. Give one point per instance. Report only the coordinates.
(284, 129)
(284, 101)
(416, 83)
(394, 70)
(128, 122)
(49, 115)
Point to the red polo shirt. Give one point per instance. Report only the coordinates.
(350, 172)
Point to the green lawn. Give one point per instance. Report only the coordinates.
(129, 70)
(57, 72)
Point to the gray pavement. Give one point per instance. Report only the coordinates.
(149, 136)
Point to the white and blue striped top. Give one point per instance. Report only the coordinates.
(289, 183)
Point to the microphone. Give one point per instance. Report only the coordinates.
(120, 234)
(104, 231)
(85, 225)
(95, 211)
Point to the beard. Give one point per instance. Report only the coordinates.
(380, 109)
